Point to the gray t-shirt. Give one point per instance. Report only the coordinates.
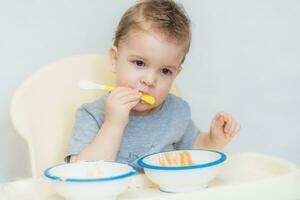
(168, 129)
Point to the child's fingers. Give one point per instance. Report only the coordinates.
(235, 129)
(227, 121)
(130, 95)
(221, 117)
(233, 126)
(224, 116)
(124, 95)
(218, 121)
(133, 103)
(228, 125)
(130, 98)
(119, 92)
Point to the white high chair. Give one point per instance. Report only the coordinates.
(43, 107)
(43, 111)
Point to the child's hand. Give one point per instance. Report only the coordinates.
(223, 128)
(118, 106)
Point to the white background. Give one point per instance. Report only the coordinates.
(244, 59)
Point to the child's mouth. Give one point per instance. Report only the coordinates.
(143, 102)
(144, 93)
(147, 98)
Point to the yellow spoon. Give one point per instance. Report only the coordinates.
(89, 85)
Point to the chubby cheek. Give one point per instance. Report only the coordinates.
(161, 96)
(125, 80)
(125, 83)
(161, 92)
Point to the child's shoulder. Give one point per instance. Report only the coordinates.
(178, 103)
(95, 107)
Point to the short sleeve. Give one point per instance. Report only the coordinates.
(189, 136)
(84, 131)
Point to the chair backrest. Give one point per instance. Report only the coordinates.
(43, 107)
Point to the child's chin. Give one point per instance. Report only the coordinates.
(144, 109)
(140, 107)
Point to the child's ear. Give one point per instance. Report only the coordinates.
(178, 70)
(113, 55)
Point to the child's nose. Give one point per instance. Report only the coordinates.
(149, 79)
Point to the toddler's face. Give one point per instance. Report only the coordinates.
(148, 62)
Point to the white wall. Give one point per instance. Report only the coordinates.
(244, 59)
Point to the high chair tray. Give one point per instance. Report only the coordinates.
(243, 176)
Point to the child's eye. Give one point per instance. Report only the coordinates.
(166, 71)
(139, 63)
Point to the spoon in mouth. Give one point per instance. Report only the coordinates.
(89, 85)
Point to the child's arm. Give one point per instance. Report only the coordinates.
(223, 128)
(106, 144)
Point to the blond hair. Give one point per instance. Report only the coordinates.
(165, 16)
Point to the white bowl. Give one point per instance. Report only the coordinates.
(183, 178)
(90, 179)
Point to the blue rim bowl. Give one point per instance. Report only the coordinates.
(142, 164)
(48, 174)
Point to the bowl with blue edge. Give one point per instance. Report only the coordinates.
(91, 180)
(182, 170)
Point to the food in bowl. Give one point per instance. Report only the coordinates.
(90, 179)
(193, 174)
(175, 159)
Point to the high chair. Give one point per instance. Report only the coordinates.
(43, 112)
(43, 107)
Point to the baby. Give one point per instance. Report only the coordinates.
(150, 45)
